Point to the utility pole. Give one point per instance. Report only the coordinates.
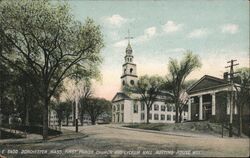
(231, 74)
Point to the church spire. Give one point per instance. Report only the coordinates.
(129, 76)
(129, 56)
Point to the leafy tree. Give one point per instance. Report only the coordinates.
(178, 71)
(243, 94)
(63, 111)
(86, 93)
(148, 88)
(50, 42)
(95, 107)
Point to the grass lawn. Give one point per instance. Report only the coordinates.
(33, 129)
(8, 135)
(203, 127)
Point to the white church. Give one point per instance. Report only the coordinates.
(127, 108)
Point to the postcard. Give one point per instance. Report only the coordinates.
(109, 78)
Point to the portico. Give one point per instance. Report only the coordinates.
(208, 98)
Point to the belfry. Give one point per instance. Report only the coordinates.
(129, 76)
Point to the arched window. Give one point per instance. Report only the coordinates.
(131, 70)
(132, 82)
(123, 82)
(124, 70)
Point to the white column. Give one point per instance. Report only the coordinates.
(228, 104)
(200, 108)
(213, 104)
(235, 104)
(189, 109)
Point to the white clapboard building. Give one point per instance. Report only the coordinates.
(127, 108)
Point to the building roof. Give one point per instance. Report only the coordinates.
(120, 96)
(162, 96)
(207, 82)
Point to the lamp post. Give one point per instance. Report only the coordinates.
(76, 114)
(77, 93)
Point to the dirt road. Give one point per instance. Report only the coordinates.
(205, 146)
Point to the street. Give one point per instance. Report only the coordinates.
(110, 140)
(208, 146)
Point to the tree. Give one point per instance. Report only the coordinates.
(86, 93)
(50, 42)
(148, 88)
(178, 71)
(95, 107)
(63, 110)
(242, 93)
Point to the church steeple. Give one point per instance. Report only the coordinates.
(129, 76)
(129, 56)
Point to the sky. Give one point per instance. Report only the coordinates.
(216, 30)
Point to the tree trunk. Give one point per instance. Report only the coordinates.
(26, 115)
(92, 120)
(45, 118)
(67, 121)
(148, 110)
(180, 118)
(74, 114)
(176, 112)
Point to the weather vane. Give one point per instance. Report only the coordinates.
(128, 37)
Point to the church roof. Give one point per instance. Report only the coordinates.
(162, 96)
(207, 82)
(120, 96)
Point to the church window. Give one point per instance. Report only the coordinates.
(124, 71)
(135, 108)
(169, 117)
(156, 107)
(122, 107)
(123, 82)
(162, 117)
(142, 116)
(118, 107)
(132, 82)
(114, 109)
(131, 70)
(156, 117)
(163, 108)
(142, 107)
